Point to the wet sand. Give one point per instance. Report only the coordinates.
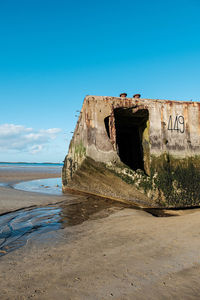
(11, 199)
(124, 254)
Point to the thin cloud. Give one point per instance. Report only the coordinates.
(20, 138)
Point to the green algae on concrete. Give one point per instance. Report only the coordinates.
(79, 150)
(171, 183)
(95, 178)
(72, 161)
(177, 180)
(163, 137)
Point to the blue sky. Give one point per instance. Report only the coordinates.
(53, 53)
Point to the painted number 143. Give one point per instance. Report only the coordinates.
(176, 124)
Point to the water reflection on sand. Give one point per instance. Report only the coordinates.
(19, 226)
(51, 186)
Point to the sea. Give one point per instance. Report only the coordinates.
(23, 166)
(47, 186)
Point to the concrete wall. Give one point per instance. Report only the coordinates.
(172, 131)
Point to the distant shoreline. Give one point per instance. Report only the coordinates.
(29, 163)
(12, 199)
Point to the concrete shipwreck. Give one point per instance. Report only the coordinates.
(132, 149)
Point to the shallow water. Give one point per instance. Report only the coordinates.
(47, 186)
(3, 184)
(31, 167)
(16, 228)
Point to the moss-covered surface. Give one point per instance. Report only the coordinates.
(79, 150)
(177, 180)
(95, 178)
(171, 182)
(72, 161)
(157, 162)
(64, 177)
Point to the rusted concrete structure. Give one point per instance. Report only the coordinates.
(152, 145)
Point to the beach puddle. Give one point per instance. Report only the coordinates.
(51, 186)
(4, 184)
(16, 228)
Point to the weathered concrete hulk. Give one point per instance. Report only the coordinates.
(143, 150)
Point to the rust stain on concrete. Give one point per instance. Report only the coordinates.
(133, 131)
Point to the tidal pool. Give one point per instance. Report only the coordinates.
(51, 186)
(16, 228)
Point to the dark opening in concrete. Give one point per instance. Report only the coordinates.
(130, 126)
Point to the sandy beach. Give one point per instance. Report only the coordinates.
(11, 199)
(118, 253)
